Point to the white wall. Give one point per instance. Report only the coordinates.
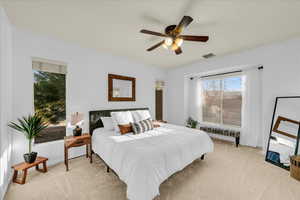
(280, 77)
(86, 83)
(5, 101)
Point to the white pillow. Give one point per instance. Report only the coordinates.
(107, 123)
(121, 118)
(139, 115)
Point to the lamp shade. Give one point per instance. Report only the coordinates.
(76, 118)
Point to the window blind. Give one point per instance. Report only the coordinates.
(49, 67)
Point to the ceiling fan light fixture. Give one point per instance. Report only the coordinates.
(168, 41)
(178, 41)
(173, 39)
(165, 46)
(174, 46)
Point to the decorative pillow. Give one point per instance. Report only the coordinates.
(121, 118)
(142, 126)
(155, 124)
(107, 123)
(115, 125)
(126, 128)
(140, 115)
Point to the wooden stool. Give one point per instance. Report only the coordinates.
(295, 167)
(25, 166)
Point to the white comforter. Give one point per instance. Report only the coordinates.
(145, 160)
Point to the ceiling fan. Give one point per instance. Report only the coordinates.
(173, 38)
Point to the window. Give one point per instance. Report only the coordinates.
(222, 100)
(50, 99)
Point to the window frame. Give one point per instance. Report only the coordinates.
(62, 70)
(222, 77)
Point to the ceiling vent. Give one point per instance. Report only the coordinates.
(208, 55)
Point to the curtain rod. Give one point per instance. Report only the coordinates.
(219, 74)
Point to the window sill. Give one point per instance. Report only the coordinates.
(51, 134)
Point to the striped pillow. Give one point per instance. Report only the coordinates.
(142, 126)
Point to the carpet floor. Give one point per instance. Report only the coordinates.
(228, 173)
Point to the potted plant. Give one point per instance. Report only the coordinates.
(191, 123)
(31, 126)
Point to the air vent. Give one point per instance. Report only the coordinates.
(208, 55)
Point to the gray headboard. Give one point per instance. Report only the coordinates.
(96, 122)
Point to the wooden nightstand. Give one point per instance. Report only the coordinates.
(76, 141)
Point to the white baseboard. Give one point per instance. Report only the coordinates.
(5, 188)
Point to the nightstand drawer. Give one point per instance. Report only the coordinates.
(81, 142)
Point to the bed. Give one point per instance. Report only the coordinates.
(145, 160)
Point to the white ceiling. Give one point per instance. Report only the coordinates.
(113, 26)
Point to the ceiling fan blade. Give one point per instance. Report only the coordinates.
(185, 21)
(195, 38)
(153, 33)
(178, 51)
(155, 46)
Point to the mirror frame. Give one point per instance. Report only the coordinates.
(275, 130)
(284, 119)
(111, 77)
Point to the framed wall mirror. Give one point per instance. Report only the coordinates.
(285, 131)
(121, 88)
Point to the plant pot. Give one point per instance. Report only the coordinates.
(30, 157)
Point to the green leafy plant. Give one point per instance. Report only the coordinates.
(31, 126)
(191, 122)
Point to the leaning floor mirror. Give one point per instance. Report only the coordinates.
(284, 132)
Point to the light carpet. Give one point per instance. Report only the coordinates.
(228, 173)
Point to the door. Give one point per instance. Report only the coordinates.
(159, 104)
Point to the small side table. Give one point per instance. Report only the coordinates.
(25, 166)
(76, 141)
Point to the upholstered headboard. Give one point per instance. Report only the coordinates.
(96, 122)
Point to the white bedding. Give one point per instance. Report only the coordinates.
(145, 160)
